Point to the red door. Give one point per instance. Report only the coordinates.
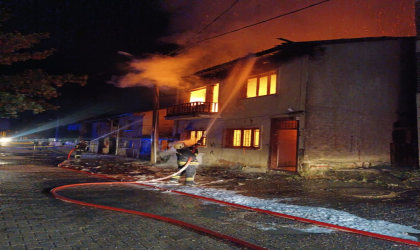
(284, 144)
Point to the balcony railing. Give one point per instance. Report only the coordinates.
(193, 108)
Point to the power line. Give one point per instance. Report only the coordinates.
(208, 25)
(230, 7)
(307, 7)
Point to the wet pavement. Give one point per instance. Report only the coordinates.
(32, 219)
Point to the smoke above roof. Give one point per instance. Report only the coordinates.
(202, 48)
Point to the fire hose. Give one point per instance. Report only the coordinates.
(237, 241)
(199, 142)
(154, 216)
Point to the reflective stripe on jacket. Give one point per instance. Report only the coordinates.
(183, 154)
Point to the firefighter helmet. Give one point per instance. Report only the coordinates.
(179, 145)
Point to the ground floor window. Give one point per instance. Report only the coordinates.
(193, 136)
(243, 138)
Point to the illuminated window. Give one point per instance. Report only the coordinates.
(251, 88)
(205, 99)
(237, 135)
(262, 85)
(215, 98)
(198, 95)
(243, 138)
(193, 136)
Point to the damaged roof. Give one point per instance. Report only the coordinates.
(274, 56)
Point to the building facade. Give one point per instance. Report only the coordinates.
(306, 105)
(129, 134)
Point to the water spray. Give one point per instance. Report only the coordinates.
(199, 142)
(239, 74)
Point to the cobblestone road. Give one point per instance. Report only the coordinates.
(32, 219)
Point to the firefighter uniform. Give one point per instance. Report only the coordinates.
(183, 154)
(80, 148)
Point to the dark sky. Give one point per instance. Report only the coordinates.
(87, 36)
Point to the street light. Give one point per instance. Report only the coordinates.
(155, 121)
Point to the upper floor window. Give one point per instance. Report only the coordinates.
(243, 138)
(129, 125)
(261, 85)
(208, 96)
(198, 95)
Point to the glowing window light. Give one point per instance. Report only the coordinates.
(237, 138)
(193, 138)
(262, 85)
(196, 135)
(251, 90)
(198, 95)
(262, 89)
(273, 84)
(214, 107)
(256, 138)
(216, 93)
(247, 138)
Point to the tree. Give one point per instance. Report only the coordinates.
(30, 90)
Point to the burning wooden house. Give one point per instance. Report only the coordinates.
(306, 105)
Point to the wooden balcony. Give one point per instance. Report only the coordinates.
(192, 110)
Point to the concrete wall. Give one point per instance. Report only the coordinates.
(352, 103)
(165, 126)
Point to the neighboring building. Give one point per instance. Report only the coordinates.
(306, 105)
(129, 134)
(5, 127)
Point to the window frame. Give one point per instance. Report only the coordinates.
(257, 84)
(254, 141)
(187, 135)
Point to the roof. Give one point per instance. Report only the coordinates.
(288, 48)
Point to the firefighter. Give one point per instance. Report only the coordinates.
(36, 143)
(80, 148)
(183, 153)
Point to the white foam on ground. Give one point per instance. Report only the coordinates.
(320, 214)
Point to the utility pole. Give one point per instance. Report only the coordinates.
(155, 126)
(118, 139)
(117, 135)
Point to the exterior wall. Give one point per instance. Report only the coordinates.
(250, 113)
(349, 96)
(130, 127)
(134, 134)
(352, 103)
(165, 126)
(100, 133)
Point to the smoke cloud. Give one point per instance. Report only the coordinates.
(333, 19)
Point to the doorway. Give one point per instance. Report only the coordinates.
(284, 144)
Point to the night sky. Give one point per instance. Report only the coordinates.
(88, 34)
